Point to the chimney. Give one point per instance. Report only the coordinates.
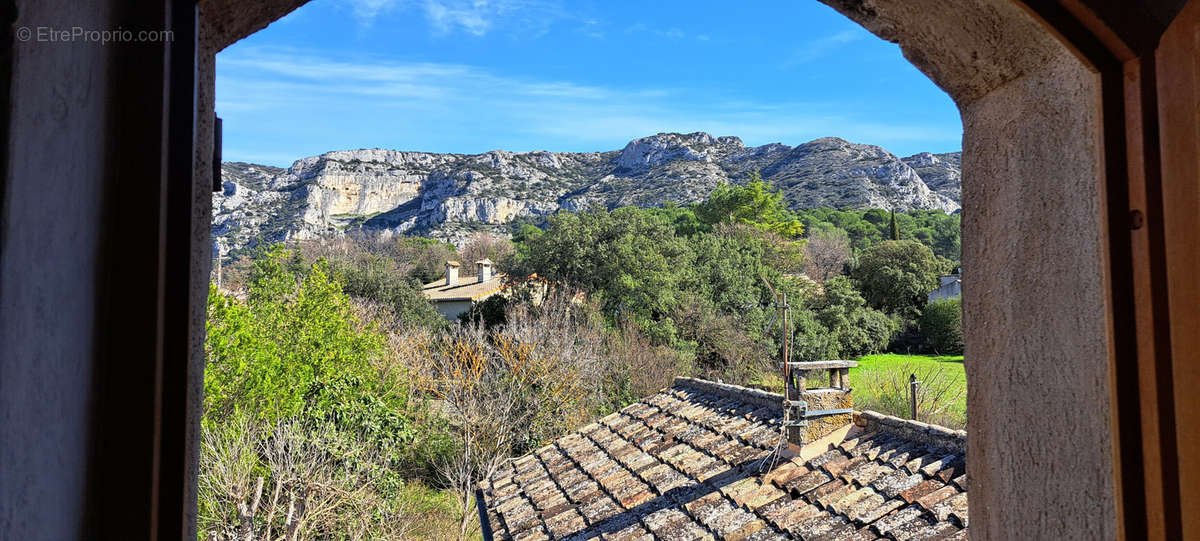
(483, 269)
(451, 273)
(813, 413)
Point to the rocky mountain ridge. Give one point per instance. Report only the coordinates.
(451, 195)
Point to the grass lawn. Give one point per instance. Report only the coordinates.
(880, 383)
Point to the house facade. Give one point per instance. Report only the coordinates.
(949, 287)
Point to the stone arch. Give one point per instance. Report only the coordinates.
(1040, 368)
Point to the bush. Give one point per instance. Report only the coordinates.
(300, 398)
(295, 350)
(941, 326)
(490, 313)
(378, 279)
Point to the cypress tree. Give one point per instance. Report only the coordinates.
(895, 229)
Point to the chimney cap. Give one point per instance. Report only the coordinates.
(484, 261)
(453, 263)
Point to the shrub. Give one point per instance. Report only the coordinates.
(510, 388)
(378, 279)
(302, 402)
(941, 326)
(295, 350)
(490, 313)
(635, 367)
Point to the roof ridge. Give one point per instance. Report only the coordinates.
(745, 394)
(930, 434)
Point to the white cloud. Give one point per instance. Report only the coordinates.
(474, 17)
(356, 100)
(367, 10)
(821, 47)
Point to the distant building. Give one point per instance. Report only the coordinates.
(950, 287)
(452, 296)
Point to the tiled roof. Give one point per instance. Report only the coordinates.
(695, 462)
(467, 288)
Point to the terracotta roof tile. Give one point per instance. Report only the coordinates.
(818, 525)
(930, 500)
(697, 461)
(866, 473)
(921, 490)
(886, 525)
(803, 484)
(892, 484)
(868, 516)
(937, 532)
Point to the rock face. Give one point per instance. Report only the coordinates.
(450, 195)
(941, 172)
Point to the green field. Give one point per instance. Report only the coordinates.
(880, 383)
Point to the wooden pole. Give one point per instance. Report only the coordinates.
(912, 395)
(784, 329)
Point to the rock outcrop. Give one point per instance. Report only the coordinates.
(450, 195)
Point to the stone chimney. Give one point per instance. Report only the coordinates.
(451, 273)
(814, 412)
(483, 269)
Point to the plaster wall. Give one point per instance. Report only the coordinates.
(1040, 459)
(1040, 442)
(452, 309)
(50, 242)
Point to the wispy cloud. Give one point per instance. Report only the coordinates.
(821, 47)
(350, 102)
(367, 10)
(474, 17)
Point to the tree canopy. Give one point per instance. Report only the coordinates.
(755, 204)
(896, 275)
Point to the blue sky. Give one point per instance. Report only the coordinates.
(470, 76)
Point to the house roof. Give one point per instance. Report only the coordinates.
(698, 460)
(467, 288)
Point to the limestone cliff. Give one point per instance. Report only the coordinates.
(451, 195)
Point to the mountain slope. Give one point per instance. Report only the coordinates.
(450, 195)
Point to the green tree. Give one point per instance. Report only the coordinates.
(835, 323)
(293, 334)
(630, 258)
(379, 279)
(755, 204)
(896, 275)
(895, 230)
(427, 256)
(295, 350)
(941, 326)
